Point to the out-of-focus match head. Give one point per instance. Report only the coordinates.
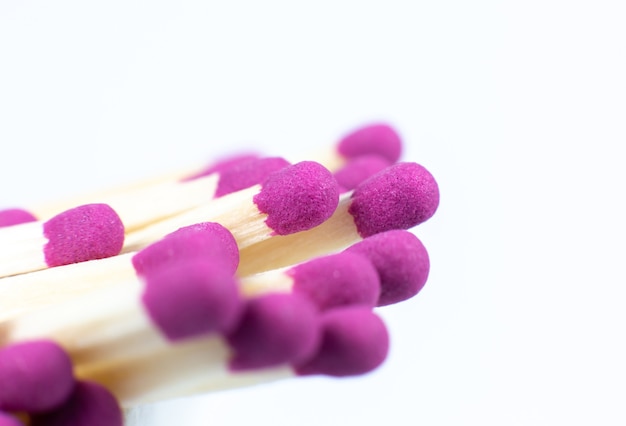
(203, 240)
(90, 404)
(398, 197)
(275, 329)
(377, 138)
(401, 261)
(35, 376)
(359, 169)
(10, 217)
(91, 231)
(245, 174)
(8, 420)
(222, 164)
(298, 197)
(191, 298)
(354, 341)
(335, 280)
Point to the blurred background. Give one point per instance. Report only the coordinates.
(517, 108)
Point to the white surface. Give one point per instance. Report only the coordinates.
(518, 109)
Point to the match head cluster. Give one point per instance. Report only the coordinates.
(314, 317)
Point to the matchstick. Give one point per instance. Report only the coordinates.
(375, 138)
(140, 208)
(351, 341)
(25, 293)
(92, 231)
(290, 200)
(399, 197)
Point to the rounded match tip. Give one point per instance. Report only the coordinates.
(399, 197)
(91, 231)
(202, 240)
(354, 341)
(298, 197)
(401, 261)
(245, 174)
(192, 298)
(35, 376)
(342, 279)
(355, 171)
(10, 217)
(90, 404)
(275, 329)
(222, 164)
(378, 138)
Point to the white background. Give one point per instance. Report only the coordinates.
(517, 108)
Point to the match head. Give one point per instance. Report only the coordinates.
(399, 197)
(35, 376)
(341, 279)
(354, 341)
(222, 164)
(90, 404)
(191, 298)
(91, 231)
(379, 138)
(359, 169)
(275, 329)
(208, 240)
(298, 197)
(8, 420)
(401, 261)
(10, 217)
(245, 174)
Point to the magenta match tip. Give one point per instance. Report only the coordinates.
(401, 261)
(245, 174)
(399, 197)
(35, 376)
(275, 329)
(380, 139)
(8, 420)
(298, 197)
(337, 280)
(92, 231)
(208, 240)
(90, 404)
(222, 164)
(192, 298)
(354, 341)
(359, 169)
(10, 217)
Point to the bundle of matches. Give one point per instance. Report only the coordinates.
(278, 274)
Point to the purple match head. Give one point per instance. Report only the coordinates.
(245, 174)
(359, 169)
(8, 420)
(207, 240)
(91, 231)
(378, 138)
(90, 404)
(222, 164)
(335, 280)
(192, 298)
(298, 197)
(275, 329)
(399, 197)
(354, 341)
(35, 376)
(401, 261)
(10, 217)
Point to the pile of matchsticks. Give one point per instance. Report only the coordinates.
(249, 270)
